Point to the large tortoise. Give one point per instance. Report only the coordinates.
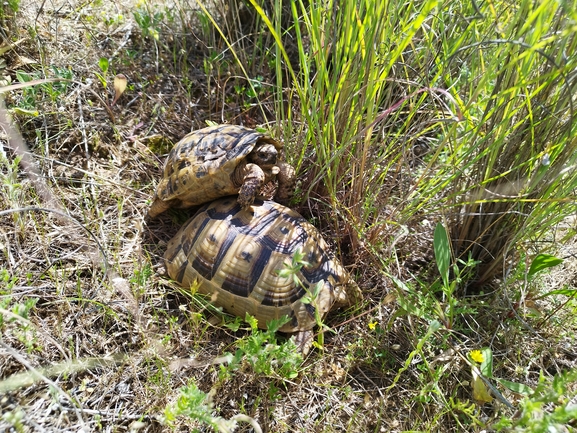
(235, 255)
(218, 161)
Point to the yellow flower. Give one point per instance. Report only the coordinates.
(372, 325)
(476, 356)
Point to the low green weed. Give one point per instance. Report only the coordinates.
(461, 272)
(195, 404)
(291, 270)
(251, 94)
(15, 419)
(260, 351)
(264, 354)
(15, 315)
(141, 276)
(198, 406)
(32, 96)
(551, 407)
(104, 65)
(150, 18)
(439, 300)
(7, 282)
(9, 180)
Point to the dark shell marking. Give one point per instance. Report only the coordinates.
(236, 254)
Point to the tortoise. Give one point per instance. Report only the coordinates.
(234, 255)
(218, 161)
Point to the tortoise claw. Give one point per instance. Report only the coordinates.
(304, 341)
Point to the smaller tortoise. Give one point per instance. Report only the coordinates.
(218, 161)
(235, 255)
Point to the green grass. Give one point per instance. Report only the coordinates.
(435, 144)
(489, 90)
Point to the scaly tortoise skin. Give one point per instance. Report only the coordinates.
(218, 161)
(234, 255)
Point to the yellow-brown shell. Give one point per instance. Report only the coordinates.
(198, 168)
(235, 255)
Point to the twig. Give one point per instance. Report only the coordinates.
(17, 144)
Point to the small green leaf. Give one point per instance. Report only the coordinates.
(519, 388)
(434, 326)
(234, 325)
(442, 252)
(275, 324)
(543, 261)
(103, 64)
(252, 321)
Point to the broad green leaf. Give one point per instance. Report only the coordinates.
(543, 261)
(519, 388)
(442, 252)
(23, 77)
(567, 292)
(487, 364)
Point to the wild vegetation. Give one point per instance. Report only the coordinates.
(435, 145)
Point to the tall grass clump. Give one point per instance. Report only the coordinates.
(362, 110)
(516, 149)
(350, 105)
(445, 110)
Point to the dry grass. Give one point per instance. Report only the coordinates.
(111, 340)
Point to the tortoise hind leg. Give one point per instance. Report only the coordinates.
(158, 206)
(252, 183)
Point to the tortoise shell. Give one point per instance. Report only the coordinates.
(235, 256)
(213, 162)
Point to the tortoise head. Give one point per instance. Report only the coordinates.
(264, 155)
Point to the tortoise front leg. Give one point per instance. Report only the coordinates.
(286, 178)
(252, 183)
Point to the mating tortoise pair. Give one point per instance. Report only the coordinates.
(235, 247)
